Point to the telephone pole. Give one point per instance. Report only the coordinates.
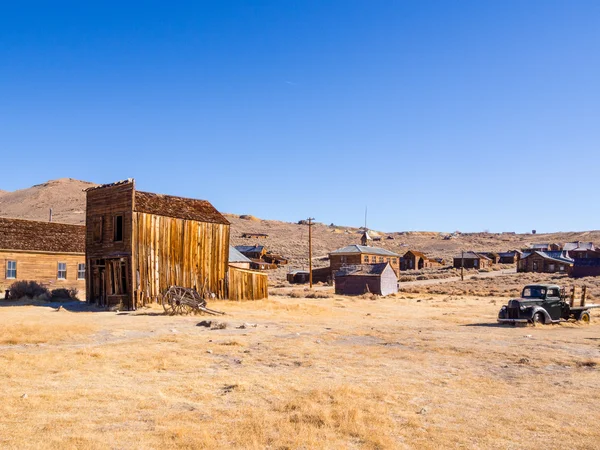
(310, 225)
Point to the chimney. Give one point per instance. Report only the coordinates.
(50, 218)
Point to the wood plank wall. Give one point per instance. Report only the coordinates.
(247, 284)
(169, 251)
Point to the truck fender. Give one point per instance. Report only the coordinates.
(536, 309)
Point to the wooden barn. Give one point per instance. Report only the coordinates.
(413, 260)
(138, 244)
(379, 279)
(50, 253)
(510, 257)
(472, 260)
(545, 262)
(362, 254)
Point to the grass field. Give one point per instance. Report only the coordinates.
(411, 371)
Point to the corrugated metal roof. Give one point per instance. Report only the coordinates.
(249, 248)
(365, 249)
(31, 235)
(557, 256)
(578, 246)
(235, 256)
(471, 255)
(362, 269)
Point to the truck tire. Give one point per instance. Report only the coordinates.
(538, 317)
(584, 317)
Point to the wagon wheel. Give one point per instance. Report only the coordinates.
(173, 301)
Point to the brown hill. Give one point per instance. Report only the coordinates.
(67, 199)
(65, 196)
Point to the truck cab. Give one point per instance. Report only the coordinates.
(539, 303)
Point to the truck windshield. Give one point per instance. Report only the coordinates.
(534, 292)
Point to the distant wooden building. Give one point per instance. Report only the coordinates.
(472, 260)
(236, 259)
(50, 253)
(510, 257)
(379, 279)
(362, 254)
(580, 250)
(275, 259)
(255, 235)
(260, 264)
(492, 256)
(138, 244)
(320, 275)
(365, 238)
(252, 251)
(589, 266)
(545, 262)
(414, 260)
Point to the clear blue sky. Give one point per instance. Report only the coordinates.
(438, 115)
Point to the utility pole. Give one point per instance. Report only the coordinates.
(310, 225)
(462, 266)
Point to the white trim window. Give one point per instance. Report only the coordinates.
(11, 270)
(81, 271)
(62, 271)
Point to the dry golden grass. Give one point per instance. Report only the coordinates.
(403, 372)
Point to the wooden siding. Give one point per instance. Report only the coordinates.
(247, 285)
(43, 268)
(169, 251)
(338, 261)
(384, 284)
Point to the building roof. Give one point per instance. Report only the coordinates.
(471, 255)
(178, 207)
(236, 257)
(415, 253)
(365, 249)
(362, 270)
(249, 248)
(578, 246)
(30, 235)
(558, 256)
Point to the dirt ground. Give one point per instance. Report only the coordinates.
(411, 371)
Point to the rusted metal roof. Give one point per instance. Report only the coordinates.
(30, 235)
(178, 207)
(362, 269)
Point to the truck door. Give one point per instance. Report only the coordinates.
(553, 303)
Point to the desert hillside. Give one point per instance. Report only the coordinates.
(66, 197)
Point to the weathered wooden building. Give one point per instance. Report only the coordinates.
(414, 260)
(252, 251)
(236, 259)
(580, 249)
(138, 244)
(246, 284)
(255, 235)
(545, 262)
(50, 253)
(379, 279)
(492, 256)
(589, 266)
(510, 257)
(362, 254)
(472, 260)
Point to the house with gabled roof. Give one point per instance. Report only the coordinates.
(362, 254)
(236, 259)
(414, 260)
(472, 260)
(50, 253)
(580, 249)
(546, 262)
(358, 279)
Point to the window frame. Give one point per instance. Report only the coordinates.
(116, 228)
(58, 277)
(79, 271)
(8, 269)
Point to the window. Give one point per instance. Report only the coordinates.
(535, 265)
(475, 263)
(551, 267)
(343, 259)
(118, 223)
(81, 271)
(366, 259)
(62, 271)
(11, 270)
(381, 259)
(394, 260)
(562, 268)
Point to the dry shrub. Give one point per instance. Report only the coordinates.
(318, 294)
(29, 289)
(64, 294)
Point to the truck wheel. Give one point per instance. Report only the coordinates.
(538, 317)
(584, 317)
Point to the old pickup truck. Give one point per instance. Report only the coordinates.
(544, 303)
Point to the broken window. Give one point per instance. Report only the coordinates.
(118, 224)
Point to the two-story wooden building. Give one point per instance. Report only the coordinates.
(138, 244)
(362, 254)
(50, 253)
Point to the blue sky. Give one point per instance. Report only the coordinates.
(438, 115)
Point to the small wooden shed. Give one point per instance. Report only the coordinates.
(379, 279)
(472, 260)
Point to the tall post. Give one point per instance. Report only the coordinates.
(462, 266)
(310, 224)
